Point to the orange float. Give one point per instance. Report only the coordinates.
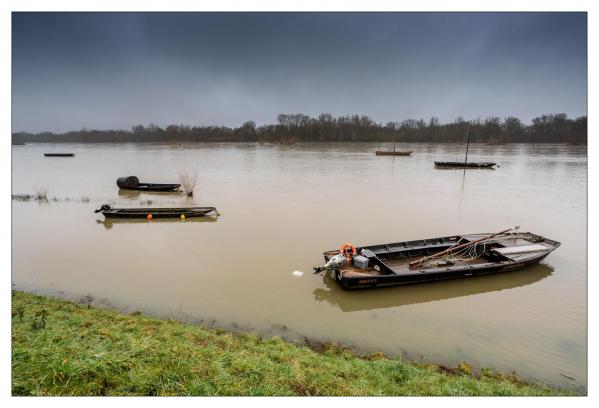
(348, 250)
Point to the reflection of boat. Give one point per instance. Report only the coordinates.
(59, 154)
(409, 295)
(435, 259)
(166, 212)
(132, 183)
(108, 223)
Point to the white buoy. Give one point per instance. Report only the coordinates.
(298, 273)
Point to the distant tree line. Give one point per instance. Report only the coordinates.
(292, 128)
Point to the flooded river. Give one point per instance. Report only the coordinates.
(281, 207)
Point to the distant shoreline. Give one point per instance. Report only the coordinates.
(296, 128)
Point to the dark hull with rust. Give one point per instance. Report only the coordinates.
(393, 262)
(154, 187)
(158, 212)
(462, 165)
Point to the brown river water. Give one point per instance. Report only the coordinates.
(281, 207)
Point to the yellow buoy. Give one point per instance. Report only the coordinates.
(149, 216)
(182, 216)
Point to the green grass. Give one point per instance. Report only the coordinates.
(61, 348)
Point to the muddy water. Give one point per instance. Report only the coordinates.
(282, 206)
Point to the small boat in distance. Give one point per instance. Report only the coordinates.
(59, 154)
(465, 164)
(393, 152)
(434, 259)
(132, 183)
(150, 213)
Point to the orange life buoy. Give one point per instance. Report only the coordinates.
(348, 250)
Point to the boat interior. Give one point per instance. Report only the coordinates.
(395, 258)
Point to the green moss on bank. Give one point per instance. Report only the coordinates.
(61, 348)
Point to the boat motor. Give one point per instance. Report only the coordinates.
(332, 264)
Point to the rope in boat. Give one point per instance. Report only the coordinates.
(470, 252)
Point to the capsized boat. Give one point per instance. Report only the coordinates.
(132, 183)
(434, 259)
(166, 212)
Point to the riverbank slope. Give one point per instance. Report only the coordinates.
(62, 348)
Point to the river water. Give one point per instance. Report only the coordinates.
(281, 207)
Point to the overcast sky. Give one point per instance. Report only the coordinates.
(116, 70)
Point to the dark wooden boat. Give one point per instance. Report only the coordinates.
(59, 154)
(463, 165)
(393, 153)
(110, 212)
(132, 183)
(440, 258)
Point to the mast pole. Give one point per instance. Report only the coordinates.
(467, 145)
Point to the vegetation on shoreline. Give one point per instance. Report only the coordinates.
(292, 128)
(61, 348)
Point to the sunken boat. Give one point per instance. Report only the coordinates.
(132, 183)
(59, 154)
(434, 259)
(150, 213)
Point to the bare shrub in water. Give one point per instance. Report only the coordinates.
(188, 182)
(41, 193)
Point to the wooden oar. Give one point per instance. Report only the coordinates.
(455, 248)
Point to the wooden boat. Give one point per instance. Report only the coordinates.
(59, 154)
(110, 212)
(435, 259)
(463, 165)
(393, 153)
(132, 183)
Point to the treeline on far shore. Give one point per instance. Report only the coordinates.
(293, 128)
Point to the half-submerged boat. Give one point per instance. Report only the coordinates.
(132, 183)
(434, 259)
(59, 154)
(150, 213)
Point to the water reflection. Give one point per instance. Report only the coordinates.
(109, 222)
(383, 298)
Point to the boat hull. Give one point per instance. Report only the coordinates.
(59, 154)
(154, 187)
(462, 165)
(158, 212)
(393, 262)
(386, 153)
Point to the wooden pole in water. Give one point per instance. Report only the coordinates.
(467, 145)
(455, 248)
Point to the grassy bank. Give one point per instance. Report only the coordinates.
(61, 348)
